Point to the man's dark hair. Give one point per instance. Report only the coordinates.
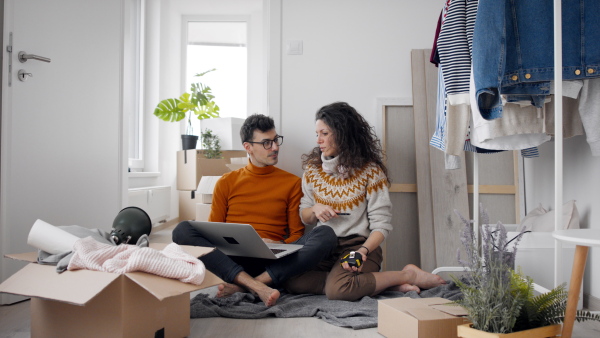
(253, 122)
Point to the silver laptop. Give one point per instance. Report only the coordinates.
(242, 240)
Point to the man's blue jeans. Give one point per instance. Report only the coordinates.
(318, 245)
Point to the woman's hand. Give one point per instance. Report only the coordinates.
(351, 268)
(347, 266)
(324, 212)
(363, 251)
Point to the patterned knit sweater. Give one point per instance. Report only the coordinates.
(364, 194)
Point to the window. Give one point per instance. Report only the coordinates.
(220, 43)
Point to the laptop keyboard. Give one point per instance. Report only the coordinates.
(276, 251)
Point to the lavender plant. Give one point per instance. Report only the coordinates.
(498, 298)
(488, 294)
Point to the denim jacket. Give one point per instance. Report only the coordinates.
(513, 49)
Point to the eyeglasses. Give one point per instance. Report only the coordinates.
(268, 144)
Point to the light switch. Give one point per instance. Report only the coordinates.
(294, 47)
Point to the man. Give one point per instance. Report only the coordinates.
(268, 198)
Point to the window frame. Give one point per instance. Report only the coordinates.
(135, 61)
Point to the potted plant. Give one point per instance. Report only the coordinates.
(199, 101)
(211, 144)
(500, 300)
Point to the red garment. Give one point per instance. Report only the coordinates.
(435, 56)
(268, 198)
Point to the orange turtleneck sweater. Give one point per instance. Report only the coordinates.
(268, 198)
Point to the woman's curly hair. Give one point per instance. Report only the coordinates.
(354, 138)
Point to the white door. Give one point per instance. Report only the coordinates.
(62, 128)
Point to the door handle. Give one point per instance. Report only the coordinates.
(23, 57)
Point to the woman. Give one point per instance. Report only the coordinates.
(345, 187)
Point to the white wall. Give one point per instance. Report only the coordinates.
(581, 182)
(354, 51)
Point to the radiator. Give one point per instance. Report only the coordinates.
(156, 201)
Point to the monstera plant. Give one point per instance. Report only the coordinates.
(199, 101)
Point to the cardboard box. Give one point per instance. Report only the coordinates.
(237, 163)
(87, 303)
(202, 212)
(206, 188)
(228, 130)
(192, 165)
(187, 205)
(419, 318)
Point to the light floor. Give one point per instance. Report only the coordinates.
(14, 322)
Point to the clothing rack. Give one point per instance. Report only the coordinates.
(558, 149)
(558, 138)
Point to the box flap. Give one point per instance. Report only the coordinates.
(207, 184)
(454, 310)
(428, 314)
(235, 166)
(425, 308)
(239, 160)
(432, 301)
(27, 256)
(162, 287)
(196, 251)
(75, 287)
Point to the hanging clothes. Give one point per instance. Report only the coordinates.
(513, 49)
(589, 109)
(454, 47)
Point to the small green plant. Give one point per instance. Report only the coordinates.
(199, 101)
(544, 309)
(211, 144)
(497, 298)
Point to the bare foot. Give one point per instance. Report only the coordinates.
(227, 289)
(425, 279)
(267, 295)
(405, 288)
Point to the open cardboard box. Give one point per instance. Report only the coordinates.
(87, 303)
(419, 318)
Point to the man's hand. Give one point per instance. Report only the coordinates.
(268, 240)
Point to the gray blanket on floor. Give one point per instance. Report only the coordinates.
(359, 314)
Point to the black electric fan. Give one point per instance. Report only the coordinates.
(129, 225)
